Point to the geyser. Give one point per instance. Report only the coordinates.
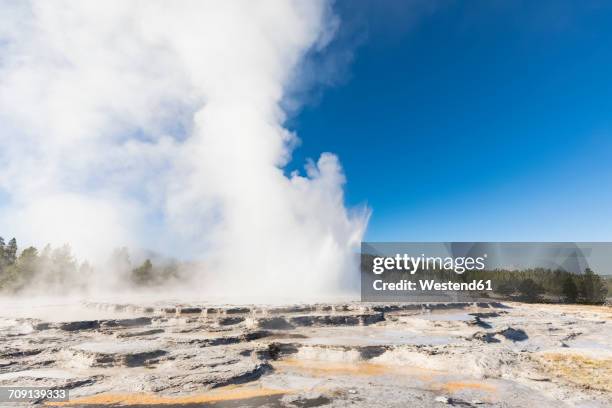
(159, 125)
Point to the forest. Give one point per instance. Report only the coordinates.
(57, 269)
(525, 285)
(547, 285)
(53, 270)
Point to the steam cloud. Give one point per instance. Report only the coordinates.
(158, 124)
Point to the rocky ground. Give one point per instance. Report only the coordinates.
(355, 354)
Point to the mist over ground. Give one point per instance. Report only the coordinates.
(159, 127)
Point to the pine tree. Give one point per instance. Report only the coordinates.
(570, 290)
(592, 289)
(10, 252)
(63, 265)
(28, 261)
(530, 290)
(143, 275)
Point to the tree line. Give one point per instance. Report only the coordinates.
(53, 269)
(526, 285)
(49, 267)
(547, 285)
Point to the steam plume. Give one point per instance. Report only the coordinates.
(157, 124)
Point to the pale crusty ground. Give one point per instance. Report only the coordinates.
(354, 354)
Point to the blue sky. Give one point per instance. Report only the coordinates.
(472, 121)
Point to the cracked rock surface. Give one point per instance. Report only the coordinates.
(353, 354)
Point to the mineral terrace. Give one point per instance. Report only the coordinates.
(355, 354)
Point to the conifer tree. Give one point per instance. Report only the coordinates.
(10, 252)
(570, 290)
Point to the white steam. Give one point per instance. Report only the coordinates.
(158, 124)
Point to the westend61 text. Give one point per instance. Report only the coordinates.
(403, 285)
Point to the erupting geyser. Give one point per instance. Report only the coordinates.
(159, 125)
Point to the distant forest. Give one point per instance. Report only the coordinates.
(53, 269)
(527, 285)
(546, 285)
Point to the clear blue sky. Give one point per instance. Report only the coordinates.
(472, 120)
